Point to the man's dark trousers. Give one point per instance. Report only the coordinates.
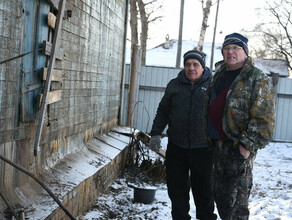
(198, 161)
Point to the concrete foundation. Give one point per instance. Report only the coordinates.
(77, 180)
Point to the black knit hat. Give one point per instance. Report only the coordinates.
(237, 39)
(195, 54)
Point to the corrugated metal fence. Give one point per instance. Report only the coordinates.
(283, 129)
(152, 84)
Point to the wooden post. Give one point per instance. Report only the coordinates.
(41, 113)
(214, 37)
(179, 44)
(134, 83)
(121, 111)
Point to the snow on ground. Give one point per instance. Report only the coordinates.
(271, 196)
(272, 190)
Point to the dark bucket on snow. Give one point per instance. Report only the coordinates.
(144, 195)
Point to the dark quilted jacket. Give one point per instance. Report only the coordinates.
(183, 109)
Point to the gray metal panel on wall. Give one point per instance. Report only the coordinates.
(35, 32)
(283, 127)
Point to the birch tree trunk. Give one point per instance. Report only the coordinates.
(146, 10)
(206, 12)
(144, 31)
(133, 22)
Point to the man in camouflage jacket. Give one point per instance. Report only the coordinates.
(241, 121)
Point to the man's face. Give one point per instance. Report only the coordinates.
(193, 69)
(234, 56)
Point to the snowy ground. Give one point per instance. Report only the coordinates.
(271, 194)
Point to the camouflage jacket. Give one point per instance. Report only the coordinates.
(249, 114)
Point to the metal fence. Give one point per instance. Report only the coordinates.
(152, 84)
(283, 128)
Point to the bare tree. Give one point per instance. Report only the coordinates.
(276, 37)
(144, 30)
(206, 11)
(134, 22)
(147, 16)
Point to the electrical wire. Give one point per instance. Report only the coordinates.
(21, 55)
(145, 110)
(132, 114)
(39, 182)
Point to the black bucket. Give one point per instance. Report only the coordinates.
(144, 195)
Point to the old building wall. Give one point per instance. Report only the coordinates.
(93, 42)
(11, 27)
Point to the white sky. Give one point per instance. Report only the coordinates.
(233, 16)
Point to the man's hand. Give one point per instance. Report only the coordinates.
(155, 143)
(244, 152)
